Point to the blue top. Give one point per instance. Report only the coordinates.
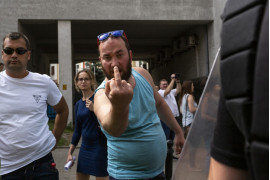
(140, 152)
(92, 158)
(86, 125)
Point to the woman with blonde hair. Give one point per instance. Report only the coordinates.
(92, 158)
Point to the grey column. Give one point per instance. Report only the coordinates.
(65, 63)
(214, 30)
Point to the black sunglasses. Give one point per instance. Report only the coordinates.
(19, 51)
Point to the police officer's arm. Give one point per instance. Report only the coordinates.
(164, 112)
(60, 122)
(219, 171)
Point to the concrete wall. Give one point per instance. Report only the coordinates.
(214, 29)
(11, 11)
(108, 9)
(210, 38)
(191, 63)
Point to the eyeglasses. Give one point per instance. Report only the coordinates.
(116, 33)
(83, 79)
(19, 51)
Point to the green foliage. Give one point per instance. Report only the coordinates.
(97, 70)
(63, 142)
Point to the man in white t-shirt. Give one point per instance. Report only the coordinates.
(25, 139)
(168, 93)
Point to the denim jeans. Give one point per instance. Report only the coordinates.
(41, 169)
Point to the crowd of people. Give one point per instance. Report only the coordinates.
(124, 123)
(114, 120)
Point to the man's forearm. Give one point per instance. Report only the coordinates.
(167, 117)
(116, 121)
(165, 114)
(60, 124)
(178, 87)
(113, 119)
(169, 88)
(71, 149)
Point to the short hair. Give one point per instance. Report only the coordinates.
(15, 36)
(91, 77)
(163, 80)
(1, 64)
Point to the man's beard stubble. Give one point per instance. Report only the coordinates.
(125, 74)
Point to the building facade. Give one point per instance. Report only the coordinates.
(179, 36)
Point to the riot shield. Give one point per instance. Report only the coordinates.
(194, 159)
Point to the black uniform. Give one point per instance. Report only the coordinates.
(241, 137)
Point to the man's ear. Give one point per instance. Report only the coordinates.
(29, 55)
(130, 55)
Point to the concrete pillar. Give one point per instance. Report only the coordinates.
(65, 63)
(214, 30)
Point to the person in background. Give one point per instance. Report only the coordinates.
(129, 110)
(93, 151)
(25, 139)
(188, 107)
(1, 66)
(168, 93)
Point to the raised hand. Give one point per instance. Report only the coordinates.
(89, 104)
(118, 91)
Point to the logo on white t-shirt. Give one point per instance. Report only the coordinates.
(37, 97)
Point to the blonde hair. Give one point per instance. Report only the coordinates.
(91, 77)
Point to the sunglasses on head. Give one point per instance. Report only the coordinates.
(19, 51)
(116, 33)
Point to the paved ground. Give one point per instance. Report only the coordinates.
(60, 157)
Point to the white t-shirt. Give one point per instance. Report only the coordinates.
(24, 131)
(170, 100)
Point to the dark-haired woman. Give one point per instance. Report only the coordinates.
(188, 107)
(187, 104)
